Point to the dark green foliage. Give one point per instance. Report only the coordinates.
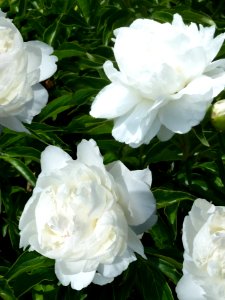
(184, 168)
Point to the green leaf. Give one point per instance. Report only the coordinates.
(168, 270)
(69, 50)
(55, 107)
(165, 197)
(51, 33)
(162, 234)
(171, 213)
(163, 152)
(65, 102)
(197, 17)
(28, 262)
(7, 139)
(22, 7)
(22, 151)
(89, 125)
(27, 280)
(21, 167)
(6, 292)
(151, 283)
(173, 258)
(200, 135)
(86, 7)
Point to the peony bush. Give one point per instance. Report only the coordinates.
(139, 86)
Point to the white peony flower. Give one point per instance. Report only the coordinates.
(86, 215)
(166, 80)
(22, 66)
(204, 253)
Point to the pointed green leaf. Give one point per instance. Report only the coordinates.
(21, 167)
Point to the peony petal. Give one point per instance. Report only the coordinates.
(53, 158)
(188, 235)
(13, 123)
(199, 213)
(34, 56)
(178, 21)
(151, 221)
(118, 266)
(143, 175)
(135, 244)
(113, 101)
(189, 106)
(214, 46)
(164, 134)
(137, 200)
(34, 107)
(188, 289)
(48, 62)
(207, 34)
(28, 213)
(133, 127)
(28, 233)
(101, 280)
(192, 63)
(88, 153)
(216, 70)
(75, 267)
(2, 14)
(78, 281)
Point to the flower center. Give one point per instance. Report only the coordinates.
(6, 39)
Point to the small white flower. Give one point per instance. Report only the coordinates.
(204, 253)
(166, 79)
(87, 216)
(22, 66)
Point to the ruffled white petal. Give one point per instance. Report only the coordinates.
(47, 65)
(164, 134)
(53, 158)
(113, 101)
(78, 281)
(88, 153)
(34, 106)
(13, 123)
(188, 289)
(2, 14)
(214, 46)
(74, 267)
(34, 57)
(28, 233)
(135, 244)
(137, 199)
(133, 127)
(102, 280)
(188, 107)
(118, 266)
(216, 70)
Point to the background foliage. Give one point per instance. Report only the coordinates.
(184, 168)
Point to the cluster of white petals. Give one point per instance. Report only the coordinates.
(166, 80)
(22, 66)
(204, 253)
(87, 216)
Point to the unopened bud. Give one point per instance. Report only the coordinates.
(218, 115)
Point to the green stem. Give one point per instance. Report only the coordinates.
(219, 160)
